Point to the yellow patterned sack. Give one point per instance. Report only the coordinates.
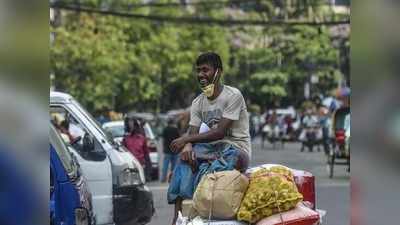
(270, 191)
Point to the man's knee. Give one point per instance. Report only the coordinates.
(242, 162)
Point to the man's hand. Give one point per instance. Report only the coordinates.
(178, 144)
(188, 155)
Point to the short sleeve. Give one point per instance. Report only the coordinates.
(195, 114)
(234, 107)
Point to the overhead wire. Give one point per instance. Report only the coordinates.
(191, 20)
(173, 4)
(167, 4)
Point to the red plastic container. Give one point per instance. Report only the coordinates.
(340, 136)
(305, 183)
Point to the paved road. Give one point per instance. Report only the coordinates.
(333, 195)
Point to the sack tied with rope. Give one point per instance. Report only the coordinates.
(219, 194)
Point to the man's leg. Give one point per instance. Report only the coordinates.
(178, 207)
(182, 185)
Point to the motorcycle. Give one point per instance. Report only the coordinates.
(273, 134)
(310, 137)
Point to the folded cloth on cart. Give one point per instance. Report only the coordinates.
(305, 182)
(300, 215)
(210, 158)
(200, 221)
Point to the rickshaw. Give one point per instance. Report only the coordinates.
(339, 154)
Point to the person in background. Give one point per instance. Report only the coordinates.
(309, 121)
(65, 133)
(274, 123)
(288, 120)
(170, 133)
(325, 123)
(136, 143)
(104, 116)
(252, 124)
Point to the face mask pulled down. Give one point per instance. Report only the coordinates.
(209, 89)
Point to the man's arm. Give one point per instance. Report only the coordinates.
(209, 136)
(185, 148)
(191, 131)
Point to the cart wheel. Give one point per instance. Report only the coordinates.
(331, 163)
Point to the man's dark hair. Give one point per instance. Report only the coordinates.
(211, 59)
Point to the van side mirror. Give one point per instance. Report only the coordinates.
(88, 143)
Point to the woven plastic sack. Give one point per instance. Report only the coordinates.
(218, 195)
(305, 182)
(270, 191)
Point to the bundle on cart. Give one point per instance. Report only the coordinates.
(305, 182)
(270, 191)
(218, 195)
(265, 195)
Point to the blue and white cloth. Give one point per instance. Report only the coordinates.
(184, 180)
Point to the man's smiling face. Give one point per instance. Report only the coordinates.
(205, 74)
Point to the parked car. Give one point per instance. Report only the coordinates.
(116, 129)
(115, 177)
(70, 198)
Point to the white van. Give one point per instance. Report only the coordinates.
(114, 175)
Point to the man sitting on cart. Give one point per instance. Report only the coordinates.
(225, 146)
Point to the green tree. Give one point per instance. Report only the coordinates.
(130, 64)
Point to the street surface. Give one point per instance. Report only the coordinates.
(333, 195)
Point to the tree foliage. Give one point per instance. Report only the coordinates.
(125, 64)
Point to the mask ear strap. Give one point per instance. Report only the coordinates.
(215, 76)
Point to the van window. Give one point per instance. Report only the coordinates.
(96, 124)
(62, 152)
(72, 131)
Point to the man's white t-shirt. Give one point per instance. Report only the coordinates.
(229, 104)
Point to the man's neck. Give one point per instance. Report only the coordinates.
(219, 88)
